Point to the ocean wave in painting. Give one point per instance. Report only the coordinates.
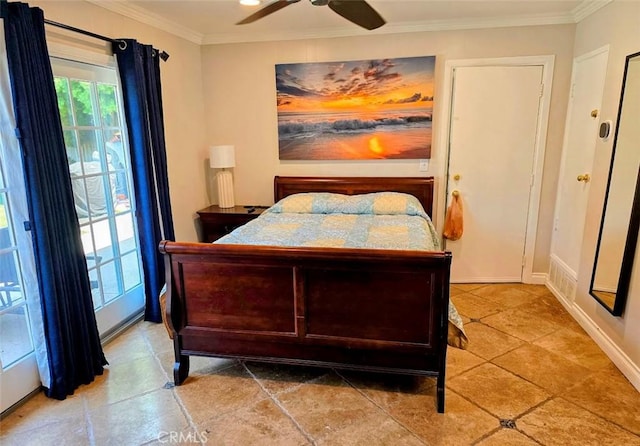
(305, 128)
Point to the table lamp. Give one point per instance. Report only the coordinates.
(223, 157)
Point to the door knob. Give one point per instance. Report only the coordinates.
(586, 177)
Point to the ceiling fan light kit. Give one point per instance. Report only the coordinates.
(356, 11)
(250, 2)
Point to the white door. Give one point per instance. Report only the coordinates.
(581, 133)
(494, 124)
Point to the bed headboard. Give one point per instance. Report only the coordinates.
(421, 188)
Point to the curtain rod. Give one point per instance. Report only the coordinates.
(163, 55)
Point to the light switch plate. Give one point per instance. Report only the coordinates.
(424, 165)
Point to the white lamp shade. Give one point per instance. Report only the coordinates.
(221, 157)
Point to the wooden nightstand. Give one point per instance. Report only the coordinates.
(217, 221)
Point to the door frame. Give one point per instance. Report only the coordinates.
(442, 156)
(129, 307)
(563, 161)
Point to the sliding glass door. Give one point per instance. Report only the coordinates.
(19, 296)
(89, 101)
(18, 368)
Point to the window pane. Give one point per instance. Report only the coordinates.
(88, 141)
(104, 246)
(82, 103)
(79, 188)
(64, 101)
(71, 143)
(15, 341)
(110, 284)
(131, 270)
(108, 105)
(115, 152)
(3, 212)
(118, 164)
(87, 244)
(101, 194)
(9, 280)
(126, 235)
(95, 289)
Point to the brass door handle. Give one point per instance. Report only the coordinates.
(585, 178)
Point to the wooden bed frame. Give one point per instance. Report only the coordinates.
(362, 309)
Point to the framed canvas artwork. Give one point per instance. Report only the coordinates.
(357, 110)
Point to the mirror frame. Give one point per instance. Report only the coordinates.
(634, 221)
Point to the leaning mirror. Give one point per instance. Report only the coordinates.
(621, 213)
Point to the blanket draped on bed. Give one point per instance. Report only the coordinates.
(384, 220)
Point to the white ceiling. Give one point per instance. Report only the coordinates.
(213, 21)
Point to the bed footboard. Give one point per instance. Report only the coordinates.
(374, 310)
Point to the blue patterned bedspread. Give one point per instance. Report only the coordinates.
(383, 220)
(378, 221)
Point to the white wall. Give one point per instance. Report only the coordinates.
(617, 25)
(240, 103)
(181, 94)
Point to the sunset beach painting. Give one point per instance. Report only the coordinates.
(357, 110)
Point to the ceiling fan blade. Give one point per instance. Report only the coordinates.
(269, 9)
(358, 12)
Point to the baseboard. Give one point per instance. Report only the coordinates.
(536, 279)
(610, 348)
(487, 280)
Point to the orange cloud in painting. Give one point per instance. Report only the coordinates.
(406, 82)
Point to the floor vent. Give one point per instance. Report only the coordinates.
(562, 279)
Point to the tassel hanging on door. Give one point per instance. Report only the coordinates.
(453, 223)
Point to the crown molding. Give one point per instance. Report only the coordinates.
(142, 15)
(588, 7)
(407, 27)
(124, 8)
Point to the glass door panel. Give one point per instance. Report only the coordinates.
(15, 342)
(18, 369)
(97, 151)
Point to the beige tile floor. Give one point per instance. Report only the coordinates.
(530, 376)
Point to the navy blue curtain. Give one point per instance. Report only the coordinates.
(139, 67)
(73, 343)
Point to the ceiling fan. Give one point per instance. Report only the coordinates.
(356, 11)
